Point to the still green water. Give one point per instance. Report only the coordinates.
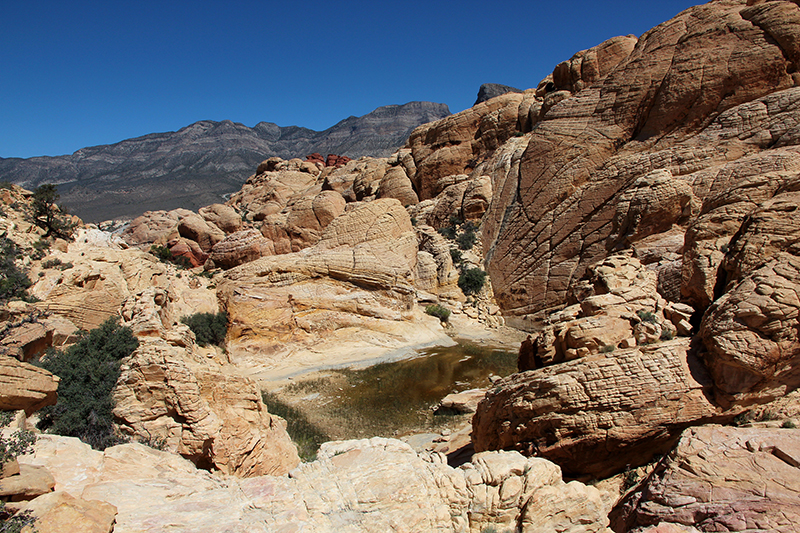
(396, 397)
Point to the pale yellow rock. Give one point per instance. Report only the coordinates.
(60, 512)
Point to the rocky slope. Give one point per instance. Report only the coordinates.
(200, 163)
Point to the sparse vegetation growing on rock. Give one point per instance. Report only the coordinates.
(208, 328)
(442, 313)
(165, 255)
(13, 282)
(89, 370)
(646, 316)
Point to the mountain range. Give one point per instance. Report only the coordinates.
(201, 163)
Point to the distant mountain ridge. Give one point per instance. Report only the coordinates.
(198, 164)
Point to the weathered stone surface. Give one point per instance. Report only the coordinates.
(24, 386)
(168, 393)
(27, 341)
(448, 147)
(358, 278)
(751, 334)
(32, 481)
(60, 512)
(153, 226)
(204, 233)
(617, 306)
(222, 216)
(368, 485)
(241, 247)
(589, 66)
(721, 479)
(94, 288)
(650, 112)
(395, 184)
(596, 415)
(462, 402)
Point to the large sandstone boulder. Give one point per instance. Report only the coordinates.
(598, 414)
(222, 216)
(721, 479)
(650, 112)
(60, 512)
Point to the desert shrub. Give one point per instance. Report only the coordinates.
(788, 424)
(448, 232)
(667, 335)
(442, 313)
(646, 316)
(165, 255)
(456, 256)
(466, 240)
(208, 328)
(471, 281)
(13, 282)
(89, 370)
(608, 348)
(306, 436)
(40, 248)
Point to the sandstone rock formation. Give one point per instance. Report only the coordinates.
(368, 485)
(598, 414)
(358, 278)
(167, 393)
(24, 386)
(649, 113)
(58, 512)
(721, 479)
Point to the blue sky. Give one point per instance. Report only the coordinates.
(76, 74)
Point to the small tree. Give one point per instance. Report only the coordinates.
(47, 215)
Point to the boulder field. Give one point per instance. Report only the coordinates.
(636, 212)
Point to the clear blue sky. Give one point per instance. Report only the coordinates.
(76, 73)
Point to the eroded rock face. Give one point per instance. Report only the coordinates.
(596, 415)
(649, 113)
(751, 334)
(368, 485)
(168, 393)
(360, 275)
(24, 386)
(721, 479)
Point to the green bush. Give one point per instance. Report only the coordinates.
(608, 348)
(788, 424)
(466, 240)
(646, 316)
(667, 335)
(208, 328)
(456, 256)
(165, 255)
(13, 282)
(448, 232)
(442, 313)
(471, 281)
(89, 370)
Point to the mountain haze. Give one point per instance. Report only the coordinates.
(198, 164)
